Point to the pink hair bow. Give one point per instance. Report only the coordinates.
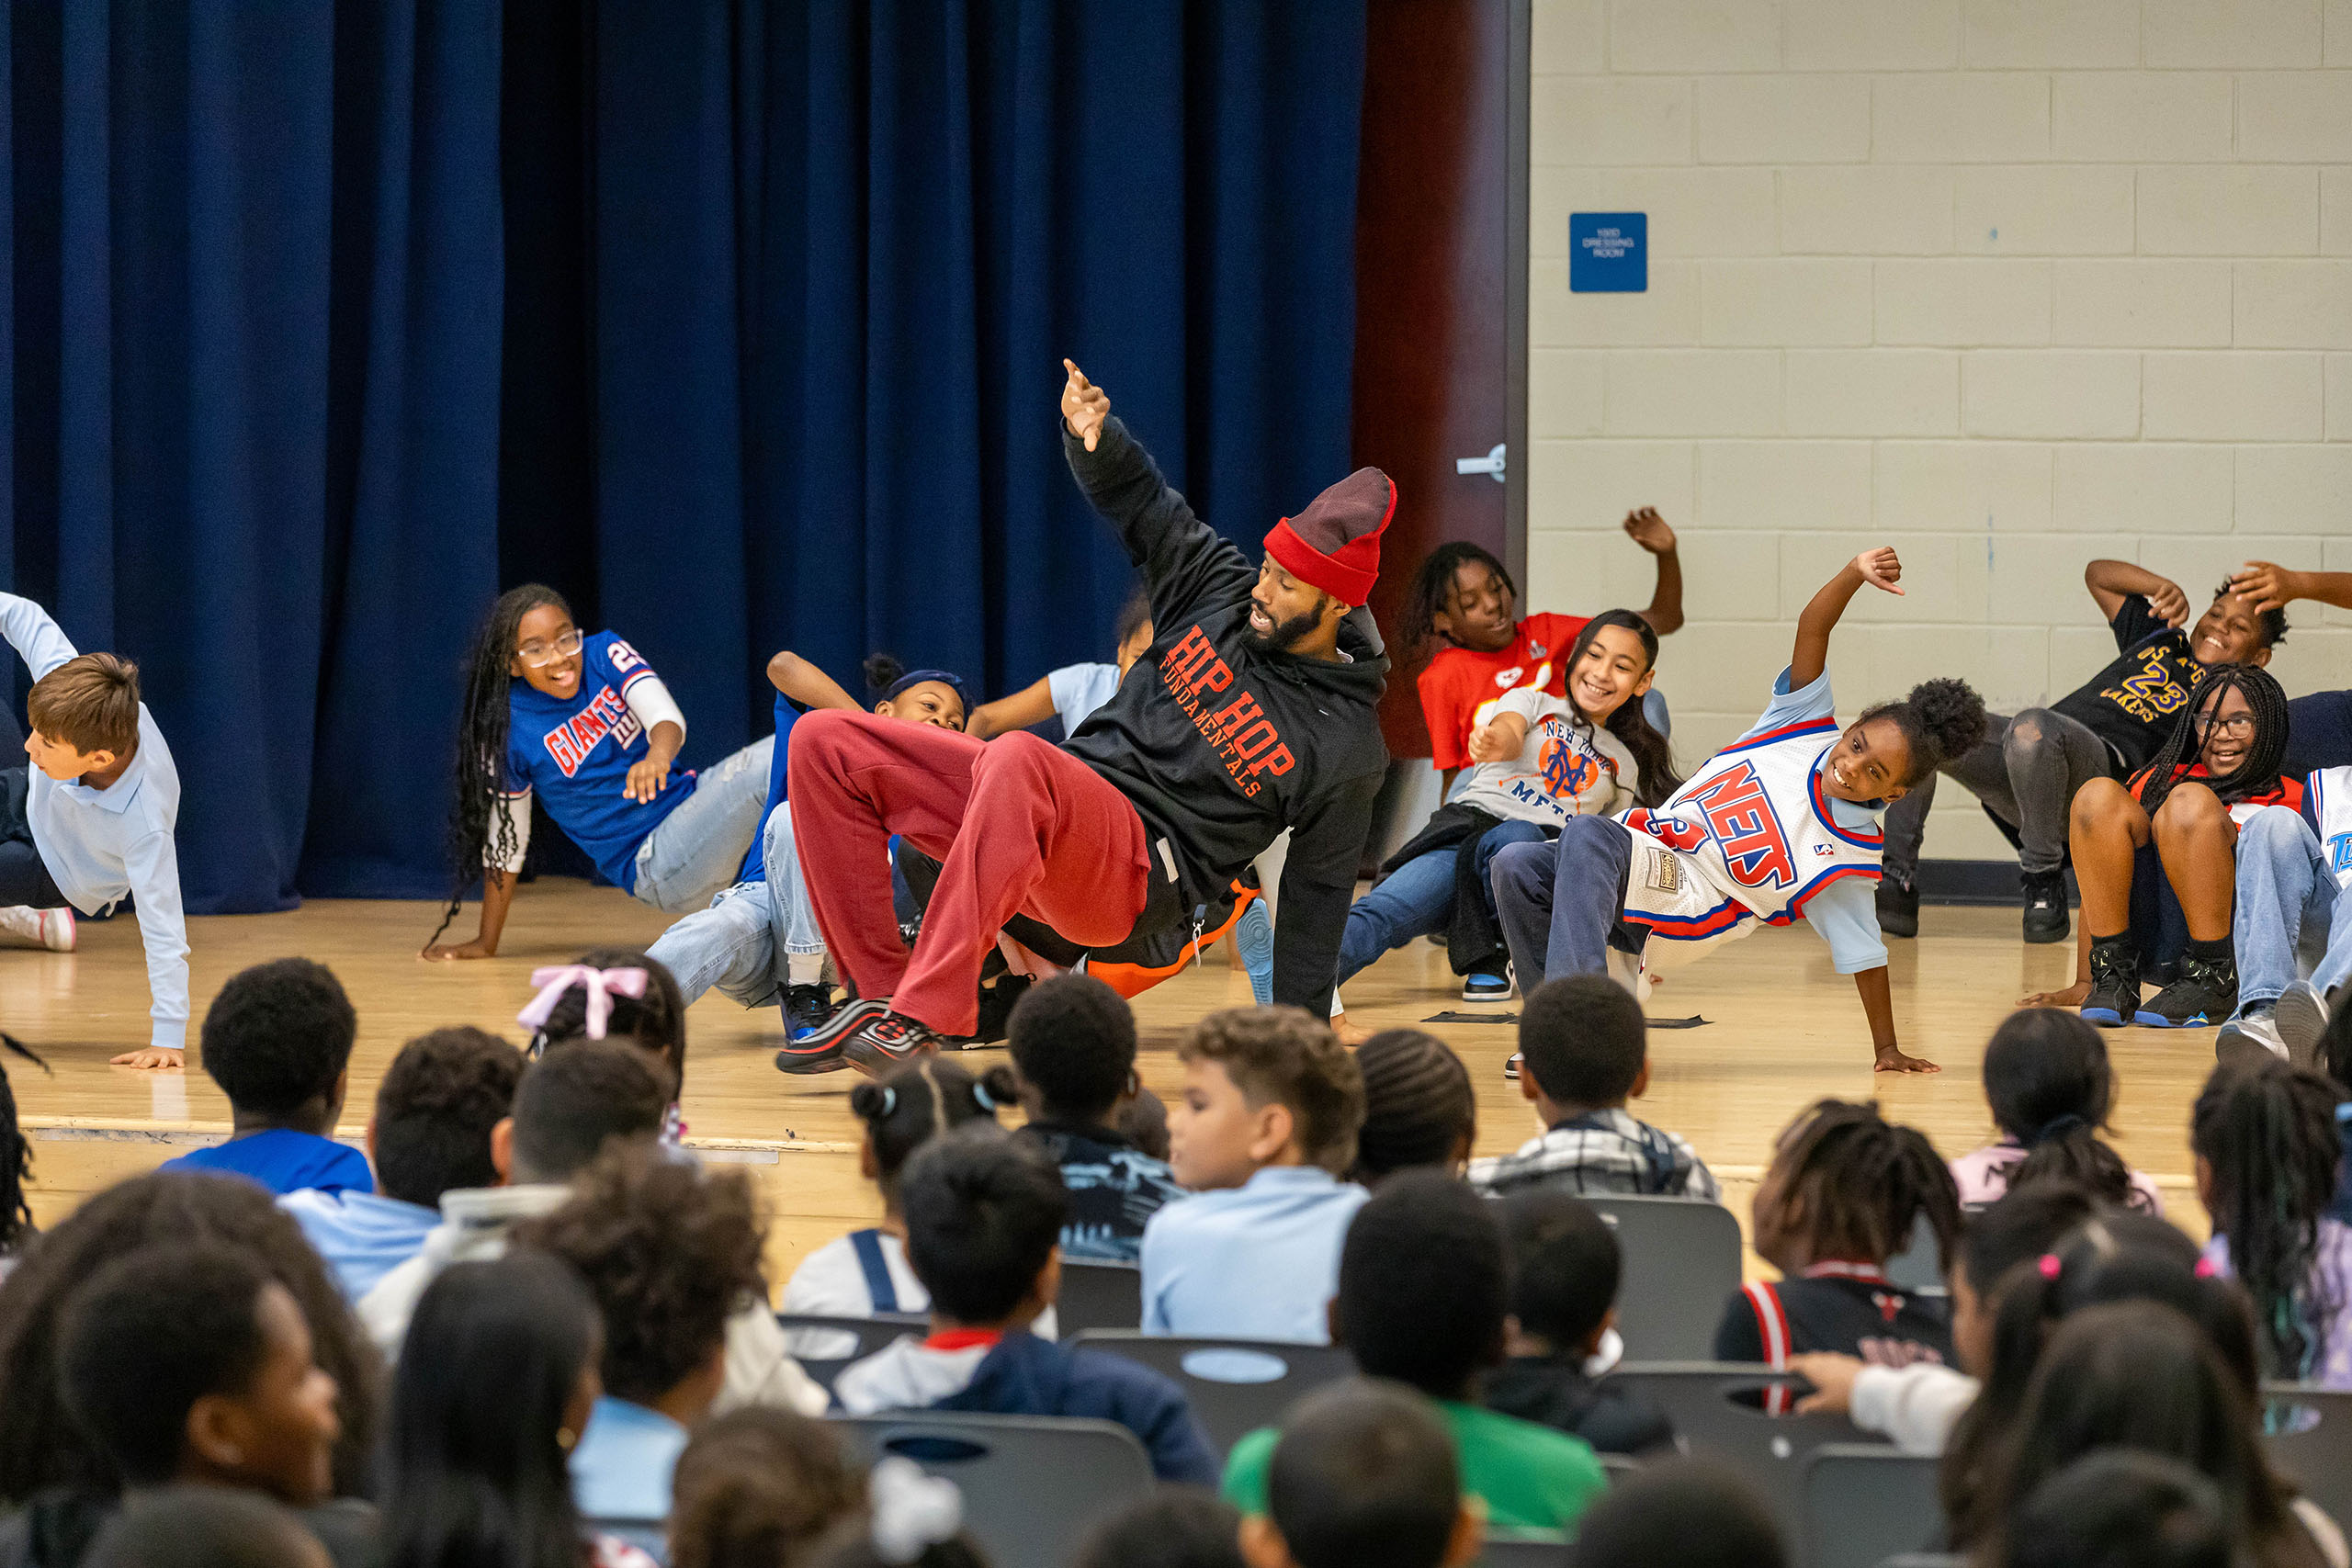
(602, 986)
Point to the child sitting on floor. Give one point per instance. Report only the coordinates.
(2048, 1082)
(1842, 1195)
(1268, 1121)
(1364, 1477)
(278, 1041)
(1417, 1107)
(1073, 1039)
(1584, 1047)
(1565, 1265)
(440, 1100)
(867, 1272)
(983, 1217)
(1424, 1292)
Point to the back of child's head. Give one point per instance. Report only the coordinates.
(1364, 1476)
(1417, 1107)
(1584, 1040)
(204, 1526)
(435, 1110)
(1939, 720)
(1143, 1121)
(983, 1215)
(1073, 1039)
(1281, 1056)
(910, 1520)
(90, 702)
(568, 1104)
(1424, 1284)
(2268, 1132)
(1565, 1267)
(603, 1007)
(1170, 1527)
(148, 1336)
(1689, 1513)
(2050, 1088)
(16, 1159)
(917, 1103)
(756, 1488)
(2121, 1508)
(2026, 1222)
(670, 1250)
(279, 1035)
(1847, 1185)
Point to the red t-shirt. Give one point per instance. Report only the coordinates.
(2287, 792)
(1459, 687)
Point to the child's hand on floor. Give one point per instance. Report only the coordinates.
(162, 1058)
(2071, 996)
(1892, 1059)
(1832, 1377)
(1084, 406)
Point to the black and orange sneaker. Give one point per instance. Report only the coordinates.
(884, 1041)
(819, 1049)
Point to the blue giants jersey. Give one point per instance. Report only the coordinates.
(577, 755)
(755, 861)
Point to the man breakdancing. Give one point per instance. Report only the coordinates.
(1252, 712)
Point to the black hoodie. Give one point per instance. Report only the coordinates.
(1219, 746)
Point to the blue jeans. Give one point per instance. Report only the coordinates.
(697, 848)
(1560, 903)
(2284, 883)
(1417, 899)
(740, 943)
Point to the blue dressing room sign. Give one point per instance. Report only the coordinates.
(1609, 253)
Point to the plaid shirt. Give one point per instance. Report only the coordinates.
(1604, 1151)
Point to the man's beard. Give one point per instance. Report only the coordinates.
(1285, 635)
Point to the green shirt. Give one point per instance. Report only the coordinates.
(1530, 1477)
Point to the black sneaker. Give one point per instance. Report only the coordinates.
(2206, 993)
(819, 1050)
(806, 1008)
(2114, 1000)
(1898, 906)
(2045, 905)
(884, 1041)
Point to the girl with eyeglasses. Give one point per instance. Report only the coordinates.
(582, 721)
(2156, 858)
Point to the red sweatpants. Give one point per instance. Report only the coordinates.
(1018, 827)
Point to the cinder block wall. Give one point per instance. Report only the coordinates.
(2008, 284)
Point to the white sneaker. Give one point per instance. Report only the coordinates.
(52, 929)
(2243, 1039)
(2302, 1016)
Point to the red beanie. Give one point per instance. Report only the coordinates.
(1335, 543)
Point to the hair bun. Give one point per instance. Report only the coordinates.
(1952, 713)
(880, 670)
(999, 1089)
(869, 1102)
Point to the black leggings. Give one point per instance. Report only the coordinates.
(23, 879)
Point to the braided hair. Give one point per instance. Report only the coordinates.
(1434, 586)
(1941, 719)
(16, 1159)
(480, 833)
(1852, 1186)
(2259, 773)
(2268, 1131)
(1652, 752)
(1419, 1109)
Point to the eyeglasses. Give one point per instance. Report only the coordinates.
(2237, 726)
(539, 654)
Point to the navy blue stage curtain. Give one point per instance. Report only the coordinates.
(741, 323)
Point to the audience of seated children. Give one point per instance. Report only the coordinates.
(204, 1527)
(866, 1271)
(1436, 1324)
(567, 1107)
(757, 1489)
(984, 1217)
(2140, 1374)
(613, 993)
(1266, 1124)
(186, 1362)
(41, 1447)
(495, 1383)
(2268, 1154)
(2157, 857)
(1584, 1046)
(1690, 1514)
(440, 1100)
(1919, 1405)
(1842, 1195)
(17, 1228)
(2120, 1508)
(1363, 1476)
(1565, 1269)
(672, 1253)
(1073, 1040)
(2050, 1088)
(1170, 1527)
(1418, 1106)
(278, 1041)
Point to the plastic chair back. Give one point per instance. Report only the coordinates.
(823, 1346)
(1704, 1400)
(1681, 1266)
(1234, 1386)
(2309, 1435)
(1098, 1295)
(1864, 1503)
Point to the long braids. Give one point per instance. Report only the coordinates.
(480, 833)
(16, 1157)
(1434, 587)
(1857, 1185)
(2268, 1133)
(1652, 752)
(2259, 773)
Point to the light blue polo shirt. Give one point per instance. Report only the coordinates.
(1259, 1261)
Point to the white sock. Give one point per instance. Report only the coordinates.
(804, 968)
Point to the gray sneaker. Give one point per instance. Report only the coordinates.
(2301, 1014)
(2249, 1039)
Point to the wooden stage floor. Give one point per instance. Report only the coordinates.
(1783, 1030)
